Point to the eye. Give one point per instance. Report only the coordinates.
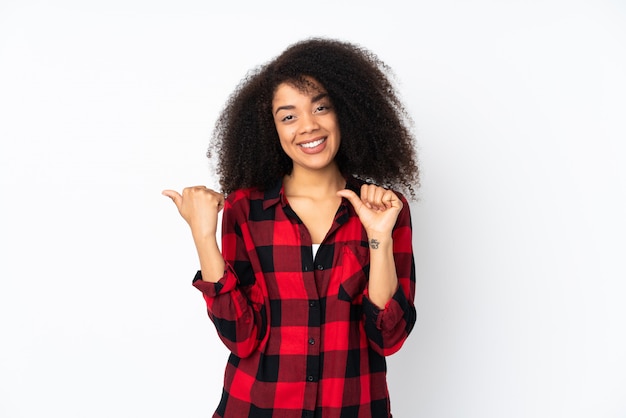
(322, 108)
(287, 118)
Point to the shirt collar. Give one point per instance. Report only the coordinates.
(276, 193)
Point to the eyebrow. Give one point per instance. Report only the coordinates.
(314, 99)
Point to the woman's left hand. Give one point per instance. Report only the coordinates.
(377, 208)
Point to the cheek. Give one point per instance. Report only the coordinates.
(284, 141)
(285, 134)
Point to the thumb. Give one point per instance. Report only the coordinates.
(174, 195)
(351, 197)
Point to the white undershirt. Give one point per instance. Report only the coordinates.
(315, 247)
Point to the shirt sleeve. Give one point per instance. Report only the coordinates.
(388, 328)
(236, 303)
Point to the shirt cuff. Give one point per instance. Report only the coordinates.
(391, 315)
(227, 283)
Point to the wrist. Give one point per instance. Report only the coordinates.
(377, 242)
(203, 239)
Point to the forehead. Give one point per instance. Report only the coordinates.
(306, 86)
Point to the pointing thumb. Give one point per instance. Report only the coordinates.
(174, 195)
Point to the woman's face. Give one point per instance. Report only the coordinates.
(307, 125)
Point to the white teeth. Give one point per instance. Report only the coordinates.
(313, 144)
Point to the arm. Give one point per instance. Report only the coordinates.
(388, 327)
(388, 303)
(234, 303)
(199, 207)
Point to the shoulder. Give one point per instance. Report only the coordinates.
(239, 195)
(246, 200)
(243, 197)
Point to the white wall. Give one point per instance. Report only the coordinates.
(519, 231)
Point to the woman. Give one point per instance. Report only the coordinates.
(314, 284)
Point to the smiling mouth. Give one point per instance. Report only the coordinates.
(313, 144)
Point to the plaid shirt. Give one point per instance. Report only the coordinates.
(305, 340)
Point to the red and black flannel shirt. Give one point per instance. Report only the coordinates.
(305, 340)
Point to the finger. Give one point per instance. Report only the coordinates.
(366, 195)
(351, 197)
(198, 188)
(387, 199)
(379, 192)
(174, 195)
(220, 202)
(373, 195)
(191, 190)
(391, 200)
(216, 197)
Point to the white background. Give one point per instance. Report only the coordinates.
(519, 110)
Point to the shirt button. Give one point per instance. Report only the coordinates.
(312, 304)
(309, 378)
(312, 341)
(320, 267)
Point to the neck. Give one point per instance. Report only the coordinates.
(314, 182)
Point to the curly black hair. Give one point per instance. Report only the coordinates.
(377, 144)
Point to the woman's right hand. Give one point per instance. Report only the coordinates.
(199, 207)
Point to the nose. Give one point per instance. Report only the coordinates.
(308, 123)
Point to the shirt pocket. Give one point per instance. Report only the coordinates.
(354, 272)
